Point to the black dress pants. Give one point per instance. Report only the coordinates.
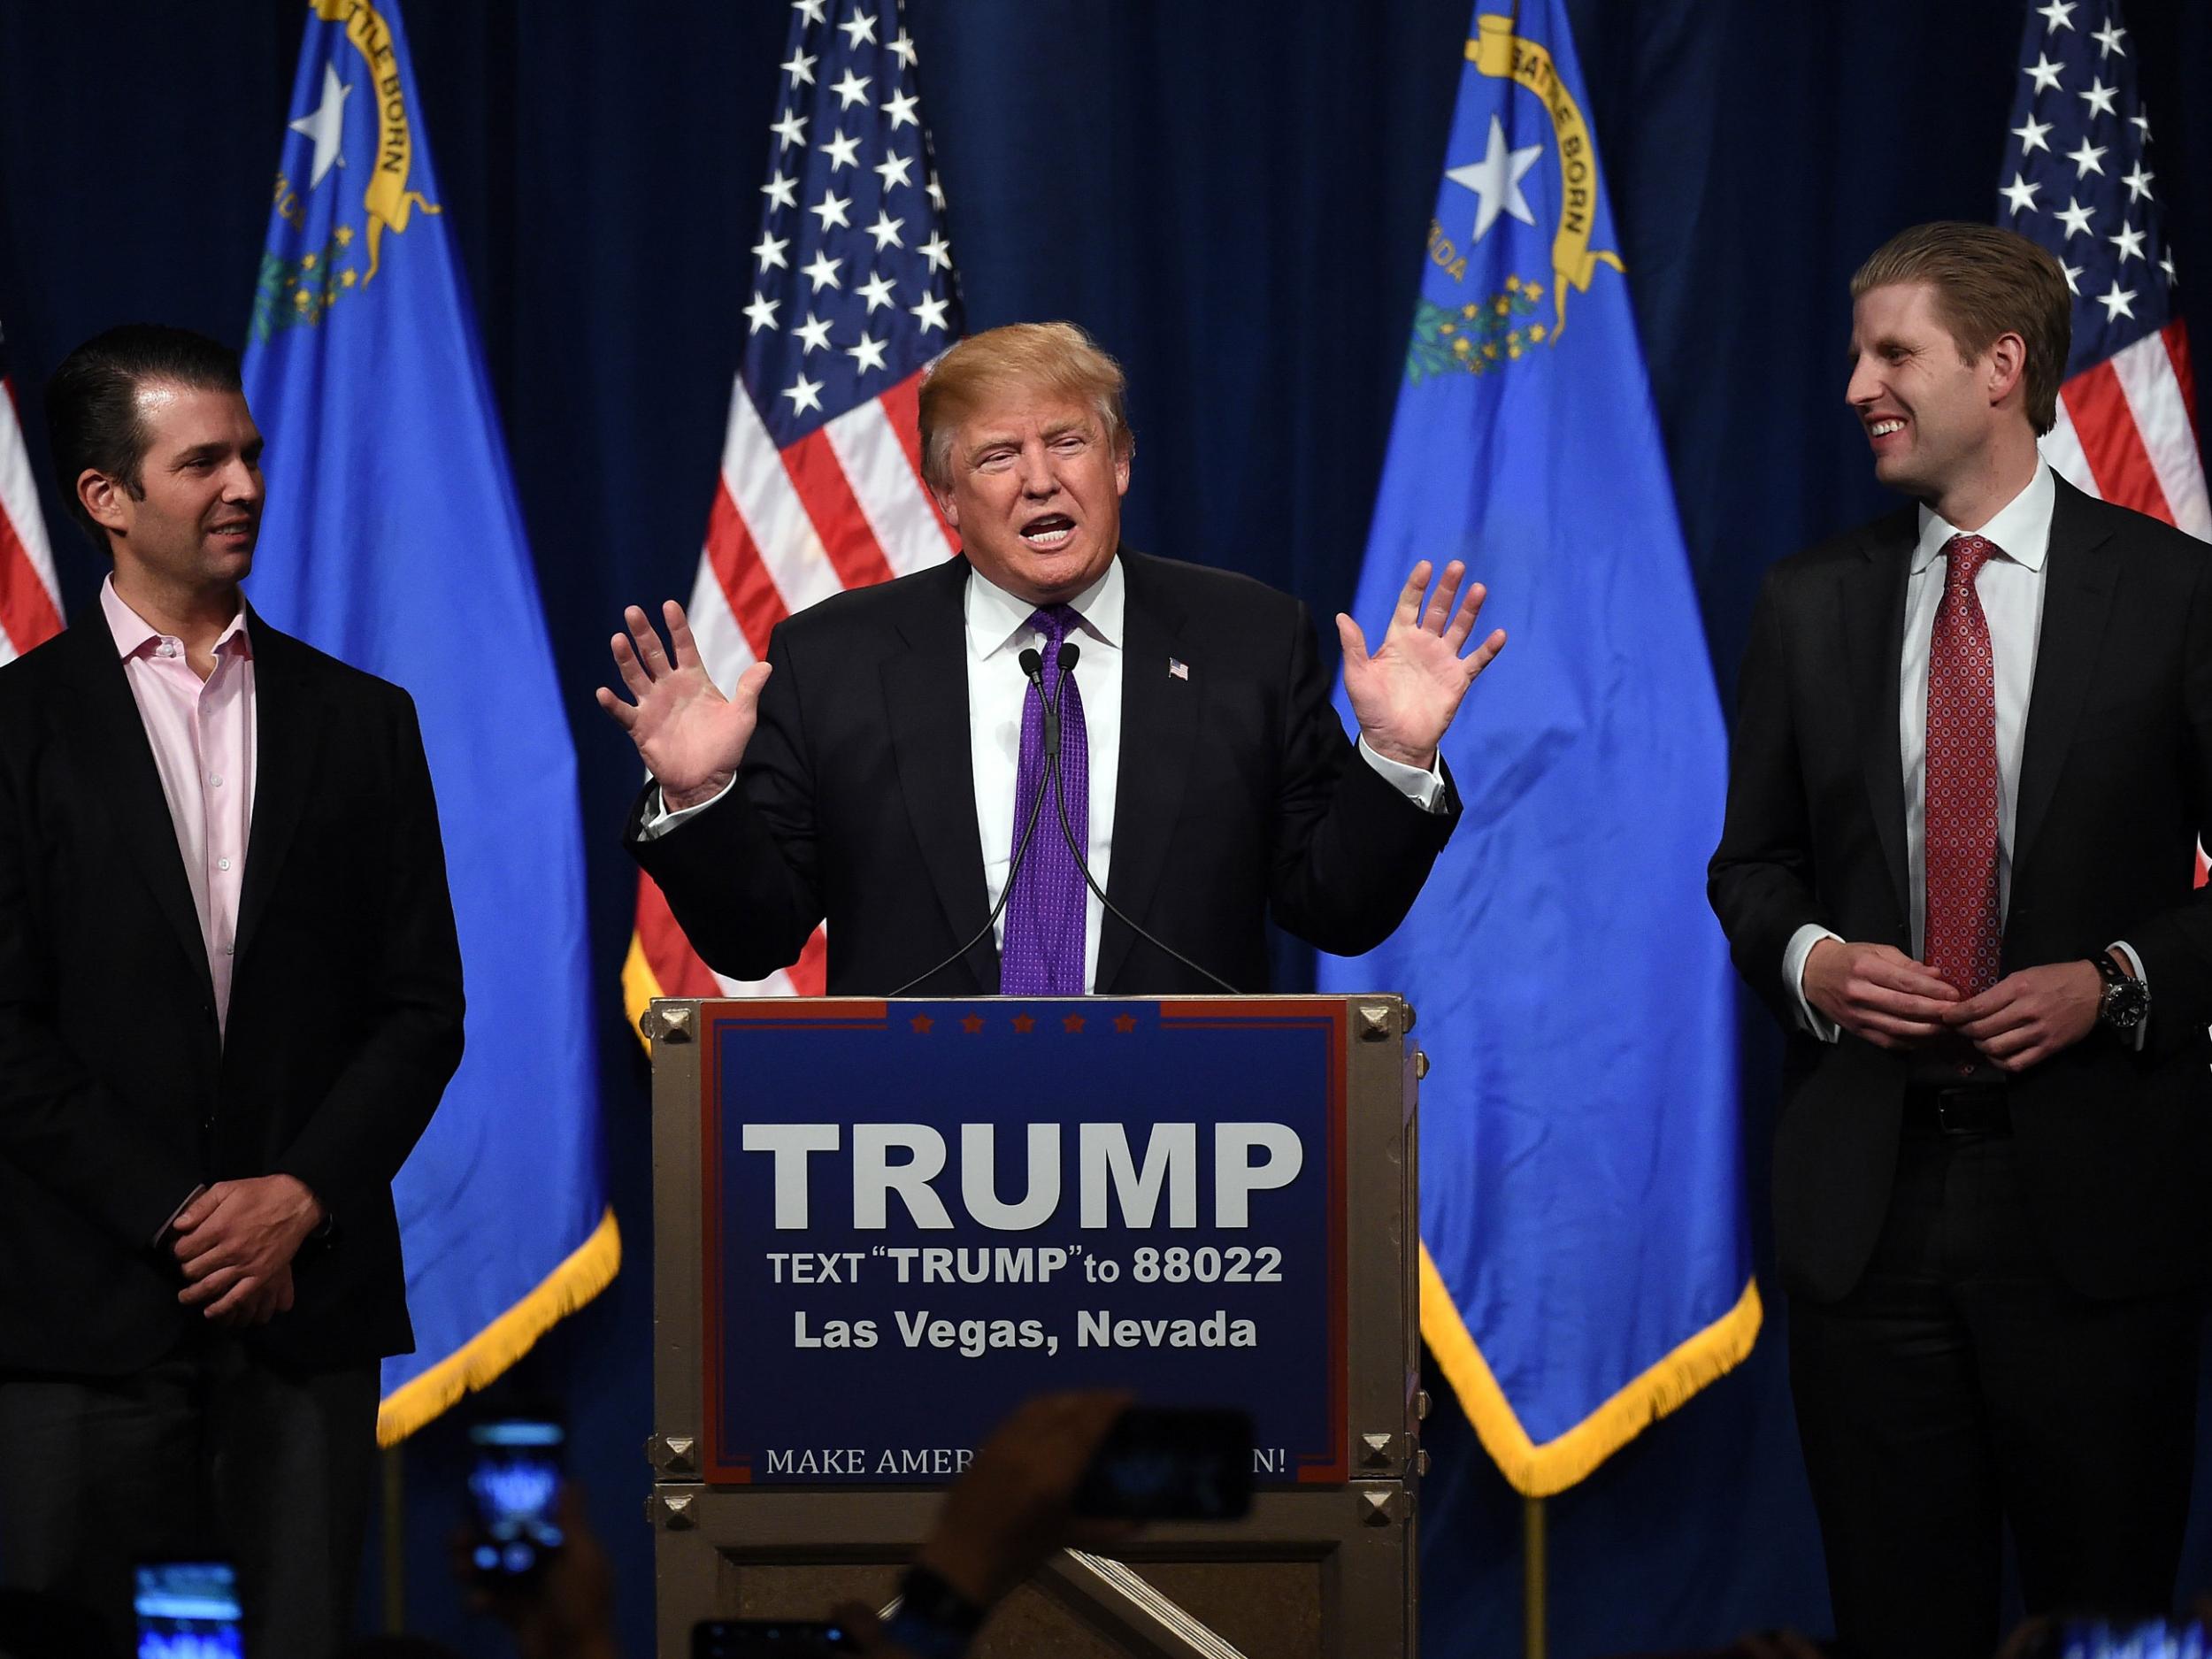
(211, 1454)
(1961, 1386)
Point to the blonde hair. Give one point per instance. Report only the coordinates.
(1056, 357)
(1987, 282)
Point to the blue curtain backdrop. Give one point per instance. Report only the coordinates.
(1234, 197)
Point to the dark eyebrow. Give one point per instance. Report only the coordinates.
(216, 450)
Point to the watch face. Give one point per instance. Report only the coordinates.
(2125, 1004)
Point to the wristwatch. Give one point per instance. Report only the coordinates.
(2127, 1000)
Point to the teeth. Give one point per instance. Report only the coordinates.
(1046, 538)
(1883, 428)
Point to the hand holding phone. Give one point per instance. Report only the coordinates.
(1009, 1509)
(1170, 1465)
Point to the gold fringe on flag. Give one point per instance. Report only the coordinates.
(1540, 1471)
(587, 1270)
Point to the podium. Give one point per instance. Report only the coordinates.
(880, 1225)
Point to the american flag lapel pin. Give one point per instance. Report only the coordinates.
(1178, 669)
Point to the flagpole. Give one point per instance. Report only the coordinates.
(395, 1550)
(1534, 1619)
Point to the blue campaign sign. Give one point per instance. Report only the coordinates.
(917, 1215)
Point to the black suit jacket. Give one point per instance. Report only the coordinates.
(117, 1095)
(1237, 792)
(2114, 788)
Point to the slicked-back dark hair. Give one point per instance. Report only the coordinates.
(92, 403)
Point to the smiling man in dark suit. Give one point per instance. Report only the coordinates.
(1972, 760)
(880, 766)
(230, 997)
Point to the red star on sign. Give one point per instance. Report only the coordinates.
(972, 1024)
(1023, 1023)
(922, 1022)
(1124, 1023)
(1072, 1022)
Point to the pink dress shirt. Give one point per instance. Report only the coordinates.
(202, 733)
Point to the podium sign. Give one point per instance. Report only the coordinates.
(916, 1216)
(880, 1226)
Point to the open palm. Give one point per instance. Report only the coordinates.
(689, 735)
(1405, 694)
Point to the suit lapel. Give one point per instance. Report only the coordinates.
(926, 710)
(1159, 725)
(122, 766)
(2077, 596)
(1873, 608)
(285, 737)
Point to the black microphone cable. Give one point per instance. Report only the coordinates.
(1068, 657)
(1033, 668)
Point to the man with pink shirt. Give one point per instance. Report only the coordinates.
(230, 998)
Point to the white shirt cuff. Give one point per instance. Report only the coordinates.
(2135, 966)
(659, 820)
(1800, 948)
(1423, 788)
(179, 1210)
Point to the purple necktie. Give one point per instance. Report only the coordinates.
(1043, 952)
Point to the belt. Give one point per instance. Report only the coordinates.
(1962, 1109)
(1958, 1109)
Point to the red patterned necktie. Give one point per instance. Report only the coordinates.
(1965, 929)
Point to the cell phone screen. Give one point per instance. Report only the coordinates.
(767, 1639)
(1170, 1465)
(188, 1610)
(2097, 1639)
(516, 1487)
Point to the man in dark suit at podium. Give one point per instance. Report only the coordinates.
(880, 766)
(1972, 760)
(230, 998)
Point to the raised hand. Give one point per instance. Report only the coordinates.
(1405, 695)
(690, 736)
(1012, 1507)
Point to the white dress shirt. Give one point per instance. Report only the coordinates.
(998, 632)
(2010, 588)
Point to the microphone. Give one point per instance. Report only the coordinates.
(1068, 657)
(1032, 667)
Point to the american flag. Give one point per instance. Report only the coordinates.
(30, 601)
(852, 293)
(2078, 177)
